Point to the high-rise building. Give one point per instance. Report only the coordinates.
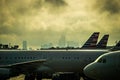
(46, 46)
(73, 44)
(62, 42)
(24, 45)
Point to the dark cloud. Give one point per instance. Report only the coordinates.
(14, 12)
(17, 7)
(41, 21)
(111, 6)
(56, 3)
(16, 16)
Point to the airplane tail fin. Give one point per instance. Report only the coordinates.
(91, 42)
(103, 42)
(118, 44)
(116, 47)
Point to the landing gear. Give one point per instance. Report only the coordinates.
(3, 78)
(33, 76)
(86, 78)
(30, 77)
(69, 76)
(56, 77)
(64, 76)
(39, 76)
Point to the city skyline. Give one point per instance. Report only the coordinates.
(42, 21)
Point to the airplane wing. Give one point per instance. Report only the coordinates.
(27, 64)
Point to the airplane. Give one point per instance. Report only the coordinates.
(105, 67)
(38, 63)
(103, 42)
(116, 47)
(91, 42)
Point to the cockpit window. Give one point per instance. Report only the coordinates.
(104, 60)
(101, 60)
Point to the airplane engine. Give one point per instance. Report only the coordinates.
(4, 73)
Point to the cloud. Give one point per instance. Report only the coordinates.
(41, 21)
(19, 20)
(57, 3)
(14, 13)
(108, 12)
(111, 6)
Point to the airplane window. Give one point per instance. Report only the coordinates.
(33, 57)
(24, 57)
(65, 57)
(30, 57)
(101, 60)
(18, 57)
(0, 57)
(68, 57)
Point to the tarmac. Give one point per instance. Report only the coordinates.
(21, 77)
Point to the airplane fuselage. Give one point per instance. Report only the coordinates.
(105, 67)
(56, 61)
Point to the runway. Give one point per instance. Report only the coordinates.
(21, 77)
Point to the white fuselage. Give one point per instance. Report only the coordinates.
(105, 67)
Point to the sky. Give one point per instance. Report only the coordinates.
(44, 21)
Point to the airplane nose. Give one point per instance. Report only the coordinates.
(89, 71)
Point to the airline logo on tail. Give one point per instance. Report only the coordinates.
(103, 42)
(91, 42)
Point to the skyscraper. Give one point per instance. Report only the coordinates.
(62, 41)
(24, 45)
